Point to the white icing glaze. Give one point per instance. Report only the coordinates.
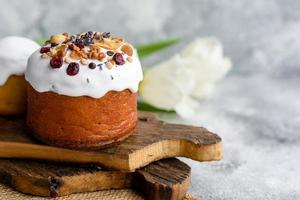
(94, 83)
(14, 52)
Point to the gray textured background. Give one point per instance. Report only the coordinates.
(256, 108)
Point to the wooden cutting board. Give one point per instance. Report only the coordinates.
(151, 140)
(165, 179)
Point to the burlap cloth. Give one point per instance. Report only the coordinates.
(9, 194)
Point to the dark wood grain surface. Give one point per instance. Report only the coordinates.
(164, 179)
(152, 140)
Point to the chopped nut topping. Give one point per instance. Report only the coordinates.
(84, 61)
(112, 62)
(62, 48)
(66, 34)
(101, 56)
(84, 47)
(127, 50)
(109, 65)
(129, 59)
(76, 55)
(94, 55)
(45, 55)
(53, 52)
(117, 38)
(68, 60)
(57, 39)
(60, 53)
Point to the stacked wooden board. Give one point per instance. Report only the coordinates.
(139, 162)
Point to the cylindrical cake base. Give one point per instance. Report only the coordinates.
(81, 122)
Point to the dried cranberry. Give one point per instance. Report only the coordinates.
(73, 69)
(118, 58)
(110, 53)
(44, 49)
(92, 65)
(56, 62)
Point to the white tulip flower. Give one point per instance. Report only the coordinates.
(180, 82)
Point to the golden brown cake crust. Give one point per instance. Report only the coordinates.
(81, 122)
(13, 96)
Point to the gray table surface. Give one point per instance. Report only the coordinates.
(256, 109)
